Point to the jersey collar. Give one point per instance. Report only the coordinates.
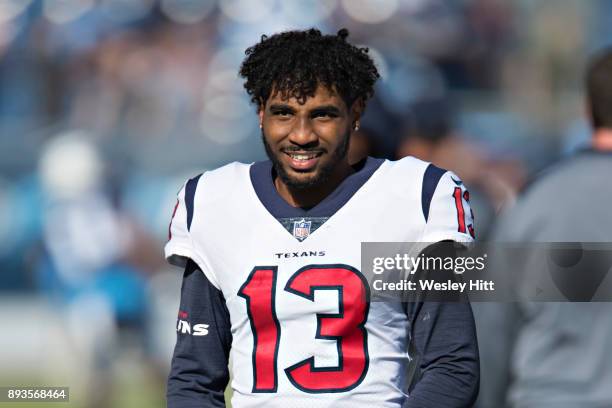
(261, 174)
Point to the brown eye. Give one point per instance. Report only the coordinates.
(282, 113)
(324, 115)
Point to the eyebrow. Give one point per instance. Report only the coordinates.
(280, 106)
(326, 109)
(319, 109)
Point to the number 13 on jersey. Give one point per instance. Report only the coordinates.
(347, 327)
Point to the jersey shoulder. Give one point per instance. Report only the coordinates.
(408, 165)
(443, 197)
(198, 199)
(208, 185)
(416, 173)
(418, 178)
(220, 181)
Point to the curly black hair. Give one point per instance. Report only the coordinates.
(294, 63)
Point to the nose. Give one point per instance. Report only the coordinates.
(302, 133)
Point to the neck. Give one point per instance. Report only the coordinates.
(602, 140)
(309, 197)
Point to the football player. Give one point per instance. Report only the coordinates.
(271, 252)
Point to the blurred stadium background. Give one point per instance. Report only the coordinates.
(106, 106)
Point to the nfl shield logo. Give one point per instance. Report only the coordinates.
(301, 229)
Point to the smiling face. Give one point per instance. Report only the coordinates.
(307, 142)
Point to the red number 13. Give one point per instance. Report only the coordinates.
(461, 211)
(347, 327)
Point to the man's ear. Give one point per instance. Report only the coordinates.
(357, 109)
(260, 111)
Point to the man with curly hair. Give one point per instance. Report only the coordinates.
(272, 251)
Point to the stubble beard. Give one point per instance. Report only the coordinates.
(321, 177)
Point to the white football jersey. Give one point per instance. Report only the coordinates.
(304, 331)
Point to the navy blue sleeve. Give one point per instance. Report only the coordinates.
(199, 372)
(445, 368)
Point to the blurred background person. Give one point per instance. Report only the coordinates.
(106, 106)
(84, 266)
(553, 354)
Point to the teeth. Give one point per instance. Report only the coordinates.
(303, 156)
